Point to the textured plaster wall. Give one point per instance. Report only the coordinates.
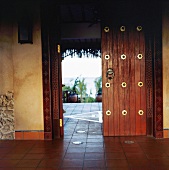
(21, 64)
(27, 74)
(6, 60)
(165, 50)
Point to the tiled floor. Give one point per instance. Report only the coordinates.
(94, 153)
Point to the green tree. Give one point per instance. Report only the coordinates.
(81, 89)
(98, 84)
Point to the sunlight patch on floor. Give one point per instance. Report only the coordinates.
(95, 116)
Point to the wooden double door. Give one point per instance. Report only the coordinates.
(124, 86)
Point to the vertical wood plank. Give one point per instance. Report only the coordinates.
(105, 51)
(132, 82)
(126, 79)
(137, 79)
(111, 89)
(143, 88)
(121, 79)
(116, 98)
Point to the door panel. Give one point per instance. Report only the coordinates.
(125, 98)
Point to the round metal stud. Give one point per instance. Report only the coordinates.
(124, 112)
(124, 84)
(140, 112)
(139, 56)
(139, 28)
(106, 29)
(122, 28)
(107, 57)
(140, 83)
(108, 112)
(107, 85)
(123, 56)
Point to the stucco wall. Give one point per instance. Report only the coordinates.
(21, 65)
(6, 60)
(165, 51)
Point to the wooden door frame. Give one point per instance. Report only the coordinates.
(52, 88)
(51, 71)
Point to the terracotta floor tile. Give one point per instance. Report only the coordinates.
(132, 149)
(55, 155)
(157, 155)
(160, 162)
(114, 149)
(111, 163)
(139, 162)
(96, 152)
(70, 168)
(49, 163)
(8, 163)
(14, 156)
(33, 156)
(72, 163)
(136, 155)
(28, 163)
(115, 155)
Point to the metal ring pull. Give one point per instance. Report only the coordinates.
(140, 112)
(107, 57)
(106, 29)
(110, 74)
(139, 56)
(139, 28)
(123, 56)
(107, 85)
(124, 84)
(140, 83)
(124, 112)
(122, 28)
(108, 112)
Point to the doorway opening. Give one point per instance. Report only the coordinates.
(82, 93)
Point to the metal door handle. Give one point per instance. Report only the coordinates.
(110, 73)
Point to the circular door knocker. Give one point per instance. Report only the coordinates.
(139, 56)
(124, 112)
(107, 57)
(140, 112)
(139, 28)
(108, 112)
(124, 84)
(106, 29)
(140, 84)
(123, 56)
(107, 85)
(122, 28)
(110, 73)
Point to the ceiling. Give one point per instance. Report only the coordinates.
(80, 25)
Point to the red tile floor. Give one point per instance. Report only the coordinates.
(94, 152)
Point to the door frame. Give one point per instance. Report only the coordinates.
(51, 74)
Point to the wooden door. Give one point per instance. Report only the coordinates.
(123, 73)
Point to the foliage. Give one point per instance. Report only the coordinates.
(66, 88)
(89, 99)
(98, 85)
(81, 88)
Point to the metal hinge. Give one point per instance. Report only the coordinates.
(58, 48)
(61, 124)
